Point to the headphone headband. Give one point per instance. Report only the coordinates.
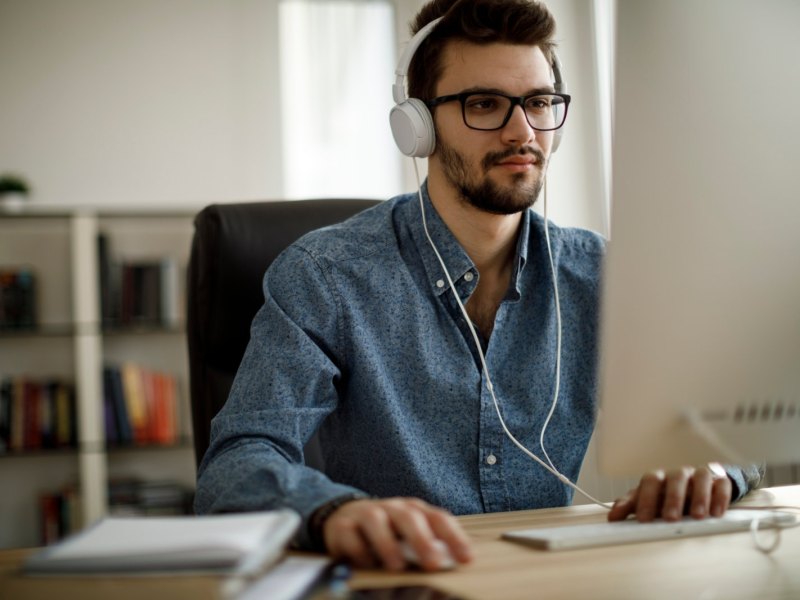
(399, 87)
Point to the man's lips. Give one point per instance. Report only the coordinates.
(517, 163)
(519, 160)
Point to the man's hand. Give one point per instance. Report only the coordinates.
(699, 492)
(367, 533)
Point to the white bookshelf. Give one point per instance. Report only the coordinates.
(69, 342)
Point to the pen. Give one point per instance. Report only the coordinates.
(338, 576)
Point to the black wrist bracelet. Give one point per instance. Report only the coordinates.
(317, 521)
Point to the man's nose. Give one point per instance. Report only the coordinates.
(518, 130)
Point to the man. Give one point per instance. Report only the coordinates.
(360, 335)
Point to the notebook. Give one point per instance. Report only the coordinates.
(630, 531)
(239, 544)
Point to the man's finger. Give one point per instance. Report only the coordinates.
(411, 524)
(721, 492)
(379, 531)
(676, 487)
(700, 501)
(449, 530)
(650, 497)
(624, 506)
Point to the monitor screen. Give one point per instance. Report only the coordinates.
(700, 326)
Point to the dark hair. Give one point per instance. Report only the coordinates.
(525, 22)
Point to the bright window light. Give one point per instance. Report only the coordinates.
(337, 65)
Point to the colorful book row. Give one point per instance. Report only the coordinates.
(140, 406)
(36, 414)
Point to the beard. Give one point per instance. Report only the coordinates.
(483, 193)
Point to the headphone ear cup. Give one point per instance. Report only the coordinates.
(412, 128)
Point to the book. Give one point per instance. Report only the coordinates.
(66, 423)
(32, 436)
(109, 412)
(170, 296)
(132, 496)
(5, 415)
(236, 544)
(17, 298)
(165, 425)
(17, 434)
(135, 402)
(104, 271)
(113, 389)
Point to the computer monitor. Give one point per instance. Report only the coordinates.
(700, 326)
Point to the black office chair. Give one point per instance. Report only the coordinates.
(232, 247)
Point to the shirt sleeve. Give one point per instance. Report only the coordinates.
(744, 479)
(285, 387)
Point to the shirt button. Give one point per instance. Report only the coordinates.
(440, 283)
(491, 459)
(469, 276)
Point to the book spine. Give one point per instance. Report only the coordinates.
(5, 416)
(47, 416)
(109, 410)
(50, 518)
(170, 292)
(120, 406)
(135, 402)
(18, 415)
(104, 270)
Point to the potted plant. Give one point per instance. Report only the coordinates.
(14, 191)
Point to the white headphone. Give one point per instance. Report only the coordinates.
(410, 119)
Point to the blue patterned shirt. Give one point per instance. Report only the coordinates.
(360, 338)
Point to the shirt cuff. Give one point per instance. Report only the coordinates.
(744, 479)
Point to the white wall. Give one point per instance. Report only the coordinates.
(145, 102)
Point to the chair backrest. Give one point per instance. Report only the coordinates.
(232, 247)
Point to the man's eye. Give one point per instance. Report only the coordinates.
(538, 103)
(482, 103)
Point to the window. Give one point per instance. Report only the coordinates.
(337, 63)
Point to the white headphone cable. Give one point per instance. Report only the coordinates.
(558, 332)
(489, 386)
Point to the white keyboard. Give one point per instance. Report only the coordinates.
(607, 533)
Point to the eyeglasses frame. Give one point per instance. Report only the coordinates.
(515, 101)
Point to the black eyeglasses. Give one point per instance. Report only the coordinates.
(487, 111)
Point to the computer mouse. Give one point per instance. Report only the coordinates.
(446, 563)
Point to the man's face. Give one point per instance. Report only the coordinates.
(499, 171)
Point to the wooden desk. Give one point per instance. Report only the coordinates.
(723, 567)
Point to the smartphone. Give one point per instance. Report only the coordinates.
(411, 592)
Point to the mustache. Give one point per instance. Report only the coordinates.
(492, 158)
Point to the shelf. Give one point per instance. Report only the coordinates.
(45, 331)
(69, 330)
(120, 330)
(182, 444)
(73, 342)
(39, 453)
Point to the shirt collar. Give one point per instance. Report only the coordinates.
(455, 258)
